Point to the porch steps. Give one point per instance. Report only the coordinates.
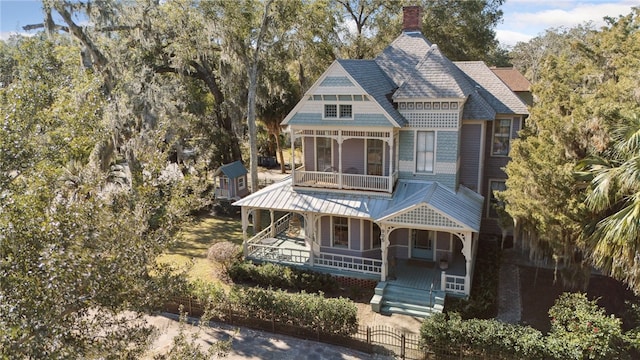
(395, 299)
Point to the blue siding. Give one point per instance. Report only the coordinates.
(406, 148)
(447, 146)
(444, 179)
(358, 120)
(336, 81)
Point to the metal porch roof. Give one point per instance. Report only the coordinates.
(463, 207)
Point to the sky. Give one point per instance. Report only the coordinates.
(522, 20)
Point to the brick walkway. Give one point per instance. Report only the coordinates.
(509, 303)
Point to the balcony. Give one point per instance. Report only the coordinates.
(343, 181)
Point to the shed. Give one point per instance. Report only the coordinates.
(231, 181)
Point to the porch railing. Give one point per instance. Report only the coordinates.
(453, 283)
(346, 262)
(336, 180)
(277, 254)
(222, 193)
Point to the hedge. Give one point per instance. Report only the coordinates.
(283, 277)
(337, 316)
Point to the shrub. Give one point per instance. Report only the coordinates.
(283, 277)
(442, 332)
(225, 253)
(330, 315)
(580, 329)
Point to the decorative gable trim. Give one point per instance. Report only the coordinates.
(423, 216)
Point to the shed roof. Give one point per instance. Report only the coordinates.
(232, 170)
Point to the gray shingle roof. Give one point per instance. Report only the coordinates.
(401, 56)
(434, 76)
(375, 82)
(492, 89)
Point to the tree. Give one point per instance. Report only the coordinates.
(582, 96)
(463, 30)
(78, 268)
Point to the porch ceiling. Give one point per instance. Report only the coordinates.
(462, 208)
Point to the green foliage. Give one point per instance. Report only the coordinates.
(331, 315)
(313, 311)
(581, 330)
(584, 91)
(475, 337)
(482, 303)
(283, 277)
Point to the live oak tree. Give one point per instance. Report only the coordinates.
(77, 247)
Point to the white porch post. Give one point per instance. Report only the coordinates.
(245, 224)
(384, 247)
(293, 154)
(390, 142)
(339, 159)
(310, 234)
(467, 251)
(273, 228)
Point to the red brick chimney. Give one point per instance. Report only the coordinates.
(412, 18)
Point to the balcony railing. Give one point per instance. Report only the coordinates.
(336, 180)
(222, 193)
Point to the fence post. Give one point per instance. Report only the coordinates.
(461, 357)
(402, 345)
(368, 335)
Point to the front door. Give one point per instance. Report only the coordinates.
(422, 242)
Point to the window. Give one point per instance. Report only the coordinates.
(345, 112)
(375, 236)
(335, 111)
(340, 231)
(424, 151)
(241, 183)
(375, 154)
(323, 154)
(330, 111)
(501, 137)
(494, 187)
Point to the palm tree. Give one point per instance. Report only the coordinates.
(612, 237)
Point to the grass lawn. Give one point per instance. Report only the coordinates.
(196, 240)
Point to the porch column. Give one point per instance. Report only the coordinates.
(273, 228)
(390, 143)
(245, 224)
(467, 251)
(339, 159)
(293, 154)
(310, 234)
(384, 247)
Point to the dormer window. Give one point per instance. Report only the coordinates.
(338, 111)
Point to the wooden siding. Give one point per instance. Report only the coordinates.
(446, 147)
(470, 156)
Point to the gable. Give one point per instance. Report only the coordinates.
(426, 216)
(360, 84)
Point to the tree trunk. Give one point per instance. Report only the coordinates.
(280, 154)
(251, 101)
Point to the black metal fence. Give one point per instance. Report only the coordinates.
(371, 339)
